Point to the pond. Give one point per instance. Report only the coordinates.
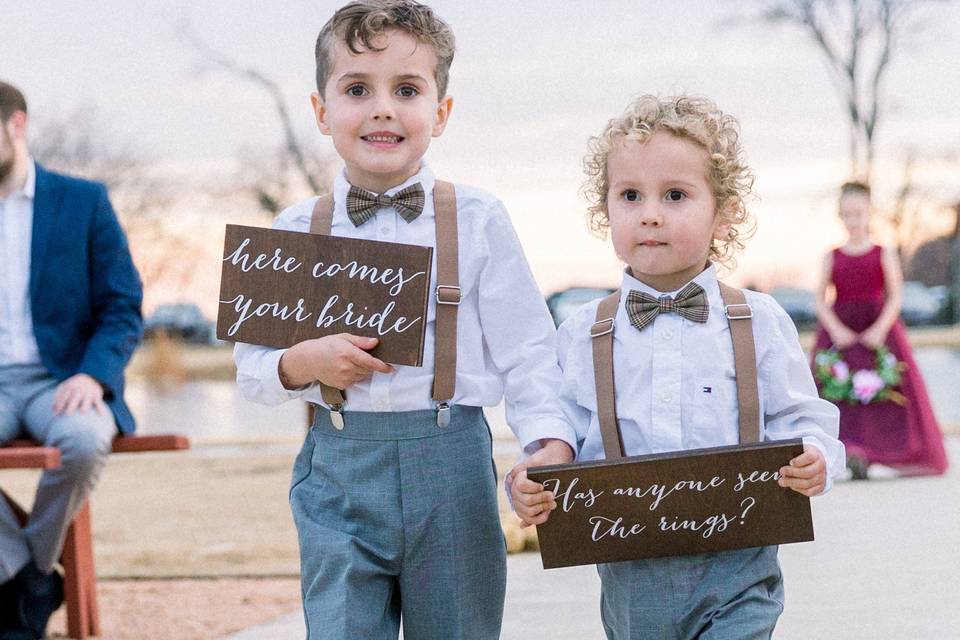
(213, 411)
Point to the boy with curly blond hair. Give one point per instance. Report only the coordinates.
(669, 181)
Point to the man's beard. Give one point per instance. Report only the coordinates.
(9, 154)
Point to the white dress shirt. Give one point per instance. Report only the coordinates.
(506, 341)
(675, 383)
(18, 345)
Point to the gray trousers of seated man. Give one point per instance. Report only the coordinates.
(26, 408)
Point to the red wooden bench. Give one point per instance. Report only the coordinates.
(80, 580)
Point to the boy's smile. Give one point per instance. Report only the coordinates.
(661, 208)
(381, 108)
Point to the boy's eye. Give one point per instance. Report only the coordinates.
(406, 91)
(631, 195)
(675, 195)
(356, 90)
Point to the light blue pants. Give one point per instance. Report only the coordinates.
(26, 407)
(727, 595)
(397, 520)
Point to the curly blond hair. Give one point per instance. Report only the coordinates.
(692, 118)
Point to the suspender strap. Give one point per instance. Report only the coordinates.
(601, 335)
(447, 293)
(739, 315)
(321, 222)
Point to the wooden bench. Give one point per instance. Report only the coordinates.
(80, 580)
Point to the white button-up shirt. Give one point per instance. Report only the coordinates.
(18, 345)
(675, 382)
(506, 341)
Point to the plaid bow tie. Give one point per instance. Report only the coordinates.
(691, 303)
(363, 204)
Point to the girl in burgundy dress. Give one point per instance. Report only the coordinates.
(865, 315)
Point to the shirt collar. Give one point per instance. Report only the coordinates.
(706, 279)
(30, 184)
(425, 177)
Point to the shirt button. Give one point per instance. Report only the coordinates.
(667, 334)
(384, 231)
(666, 397)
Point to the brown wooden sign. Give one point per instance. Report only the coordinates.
(279, 288)
(673, 504)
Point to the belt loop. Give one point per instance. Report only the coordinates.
(443, 414)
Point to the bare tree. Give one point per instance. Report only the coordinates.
(277, 178)
(858, 39)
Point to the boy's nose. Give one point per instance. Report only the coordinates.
(650, 217)
(382, 110)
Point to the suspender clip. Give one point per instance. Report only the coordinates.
(443, 414)
(336, 416)
(738, 315)
(448, 294)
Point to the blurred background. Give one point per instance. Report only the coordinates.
(196, 114)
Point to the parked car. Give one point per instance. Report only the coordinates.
(923, 305)
(799, 305)
(180, 321)
(563, 303)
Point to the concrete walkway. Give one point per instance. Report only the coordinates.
(884, 566)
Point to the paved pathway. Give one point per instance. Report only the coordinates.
(885, 565)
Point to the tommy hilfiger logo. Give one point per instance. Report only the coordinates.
(707, 389)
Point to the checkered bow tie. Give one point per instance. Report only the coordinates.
(690, 303)
(363, 204)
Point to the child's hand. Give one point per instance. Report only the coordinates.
(338, 361)
(874, 337)
(807, 473)
(531, 502)
(842, 337)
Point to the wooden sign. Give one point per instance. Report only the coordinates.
(279, 288)
(672, 504)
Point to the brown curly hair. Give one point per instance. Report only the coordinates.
(692, 118)
(358, 24)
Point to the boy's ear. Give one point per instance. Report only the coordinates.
(320, 110)
(721, 226)
(444, 107)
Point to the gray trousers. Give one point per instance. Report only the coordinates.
(26, 407)
(397, 520)
(727, 595)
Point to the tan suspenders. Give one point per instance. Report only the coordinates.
(739, 316)
(447, 293)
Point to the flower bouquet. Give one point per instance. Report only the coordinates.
(838, 383)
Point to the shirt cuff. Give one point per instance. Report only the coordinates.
(531, 433)
(271, 381)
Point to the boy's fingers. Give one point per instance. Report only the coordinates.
(526, 485)
(368, 363)
(804, 459)
(359, 341)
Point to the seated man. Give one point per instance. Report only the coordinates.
(69, 322)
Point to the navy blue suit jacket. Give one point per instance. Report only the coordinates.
(85, 293)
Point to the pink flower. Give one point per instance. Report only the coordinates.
(866, 385)
(840, 371)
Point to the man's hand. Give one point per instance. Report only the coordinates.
(531, 502)
(79, 393)
(338, 361)
(807, 473)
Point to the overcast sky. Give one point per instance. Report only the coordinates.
(531, 81)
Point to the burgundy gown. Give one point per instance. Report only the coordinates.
(905, 437)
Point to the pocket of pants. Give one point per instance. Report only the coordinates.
(303, 465)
